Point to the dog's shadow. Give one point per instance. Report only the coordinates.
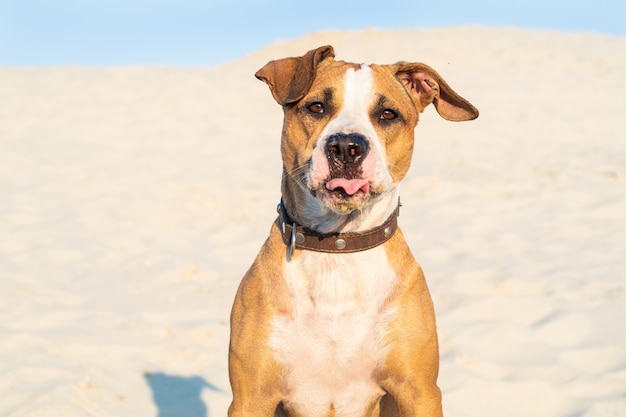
(178, 396)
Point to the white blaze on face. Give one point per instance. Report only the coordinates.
(354, 117)
(354, 114)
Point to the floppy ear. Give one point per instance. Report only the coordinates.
(426, 86)
(290, 78)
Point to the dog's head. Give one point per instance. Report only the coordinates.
(348, 132)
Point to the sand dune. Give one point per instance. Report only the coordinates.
(133, 199)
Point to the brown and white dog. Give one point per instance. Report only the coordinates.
(334, 317)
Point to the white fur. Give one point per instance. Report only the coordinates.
(334, 340)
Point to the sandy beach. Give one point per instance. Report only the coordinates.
(133, 199)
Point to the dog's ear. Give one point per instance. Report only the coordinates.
(290, 78)
(426, 86)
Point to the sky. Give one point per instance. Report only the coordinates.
(210, 32)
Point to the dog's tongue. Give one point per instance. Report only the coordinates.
(351, 187)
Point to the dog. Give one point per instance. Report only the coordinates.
(334, 317)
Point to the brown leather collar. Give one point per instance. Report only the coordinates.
(298, 237)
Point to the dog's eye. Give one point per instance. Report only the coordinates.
(388, 114)
(317, 107)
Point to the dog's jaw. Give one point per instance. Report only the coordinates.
(323, 219)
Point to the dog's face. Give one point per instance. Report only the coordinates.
(349, 128)
(350, 138)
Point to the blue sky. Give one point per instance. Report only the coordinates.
(201, 33)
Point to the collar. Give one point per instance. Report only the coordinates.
(299, 237)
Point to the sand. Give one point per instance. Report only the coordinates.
(133, 200)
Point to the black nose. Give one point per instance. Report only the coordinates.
(346, 149)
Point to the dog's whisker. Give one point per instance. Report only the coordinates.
(298, 174)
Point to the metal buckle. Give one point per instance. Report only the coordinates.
(292, 242)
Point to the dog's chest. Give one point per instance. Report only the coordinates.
(334, 338)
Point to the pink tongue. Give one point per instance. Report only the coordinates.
(349, 186)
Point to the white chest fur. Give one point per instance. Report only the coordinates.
(334, 339)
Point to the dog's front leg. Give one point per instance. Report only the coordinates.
(254, 394)
(411, 381)
(412, 365)
(407, 400)
(254, 375)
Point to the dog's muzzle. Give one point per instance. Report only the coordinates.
(345, 154)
